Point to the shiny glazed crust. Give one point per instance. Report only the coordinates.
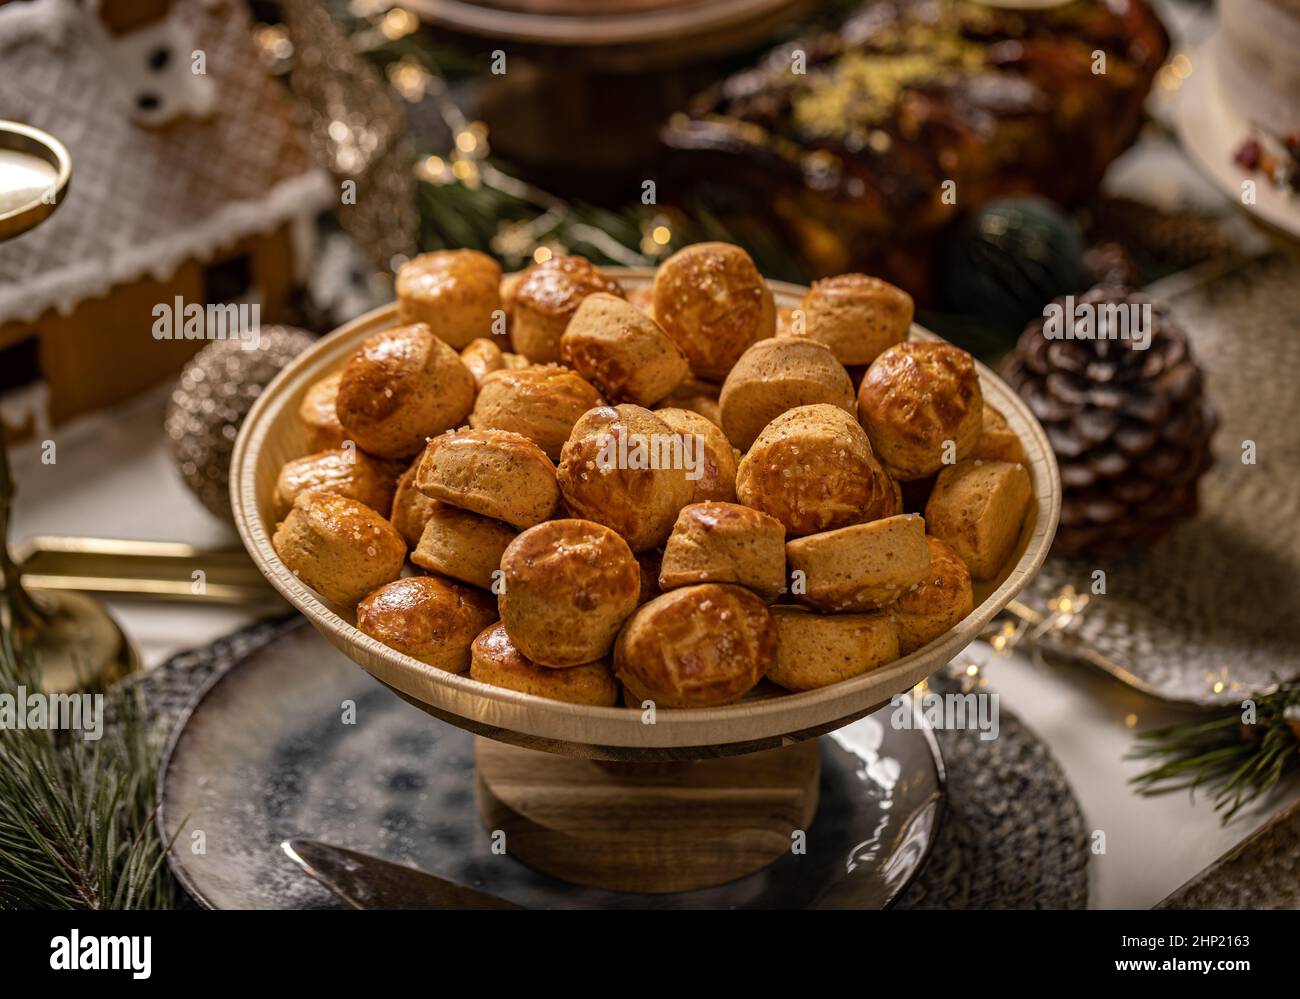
(710, 299)
(812, 469)
(430, 619)
(401, 387)
(344, 472)
(602, 481)
(696, 647)
(916, 396)
(482, 357)
(545, 300)
(318, 414)
(935, 604)
(495, 660)
(567, 586)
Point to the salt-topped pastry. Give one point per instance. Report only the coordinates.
(567, 586)
(921, 405)
(697, 646)
(711, 300)
(401, 387)
(340, 548)
(456, 293)
(430, 619)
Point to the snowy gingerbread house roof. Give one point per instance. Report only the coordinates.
(181, 143)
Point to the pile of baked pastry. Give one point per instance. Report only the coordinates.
(665, 495)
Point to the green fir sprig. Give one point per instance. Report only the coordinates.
(1235, 761)
(77, 824)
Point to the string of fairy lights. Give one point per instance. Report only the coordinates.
(467, 163)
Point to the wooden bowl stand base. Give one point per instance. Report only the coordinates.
(647, 827)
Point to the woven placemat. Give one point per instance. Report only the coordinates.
(1012, 835)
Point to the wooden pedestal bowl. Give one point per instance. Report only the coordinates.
(657, 836)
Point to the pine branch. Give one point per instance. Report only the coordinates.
(77, 821)
(1239, 763)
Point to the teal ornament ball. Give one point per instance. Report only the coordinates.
(1008, 261)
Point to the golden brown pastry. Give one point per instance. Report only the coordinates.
(624, 467)
(725, 543)
(813, 470)
(493, 472)
(411, 508)
(622, 351)
(696, 647)
(456, 293)
(462, 545)
(430, 619)
(777, 375)
(815, 650)
(915, 398)
(698, 397)
(567, 586)
(997, 441)
(977, 508)
(515, 362)
(482, 357)
(856, 316)
(318, 415)
(713, 473)
(859, 568)
(344, 472)
(342, 549)
(495, 660)
(713, 303)
(937, 603)
(401, 387)
(542, 402)
(546, 299)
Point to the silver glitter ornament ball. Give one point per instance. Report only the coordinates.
(214, 394)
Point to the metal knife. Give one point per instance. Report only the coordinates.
(366, 882)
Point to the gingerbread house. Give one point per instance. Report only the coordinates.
(190, 180)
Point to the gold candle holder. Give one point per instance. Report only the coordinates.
(74, 641)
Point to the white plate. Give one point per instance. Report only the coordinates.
(1212, 132)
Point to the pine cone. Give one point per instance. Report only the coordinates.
(1131, 428)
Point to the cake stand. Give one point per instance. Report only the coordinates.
(612, 797)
